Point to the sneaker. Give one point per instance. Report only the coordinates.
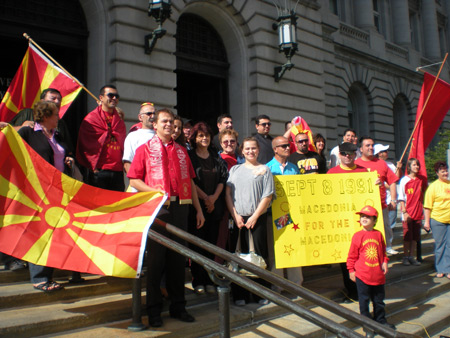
(391, 251)
(413, 261)
(199, 289)
(210, 289)
(239, 302)
(406, 261)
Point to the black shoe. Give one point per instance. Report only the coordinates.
(155, 321)
(391, 326)
(183, 316)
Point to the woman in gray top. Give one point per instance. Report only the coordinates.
(249, 192)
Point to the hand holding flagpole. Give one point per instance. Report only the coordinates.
(56, 63)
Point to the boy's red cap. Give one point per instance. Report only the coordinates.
(369, 211)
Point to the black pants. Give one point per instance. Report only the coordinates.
(107, 179)
(374, 293)
(160, 259)
(259, 233)
(208, 232)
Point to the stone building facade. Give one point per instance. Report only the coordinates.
(356, 63)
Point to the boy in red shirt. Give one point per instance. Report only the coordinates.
(367, 264)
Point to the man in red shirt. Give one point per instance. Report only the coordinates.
(162, 164)
(385, 175)
(100, 143)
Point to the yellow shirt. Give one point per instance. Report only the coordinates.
(437, 198)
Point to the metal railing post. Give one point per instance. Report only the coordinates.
(224, 308)
(136, 324)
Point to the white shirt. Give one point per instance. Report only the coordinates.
(134, 140)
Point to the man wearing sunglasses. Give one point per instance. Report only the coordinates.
(279, 165)
(347, 165)
(264, 139)
(100, 143)
(139, 136)
(308, 162)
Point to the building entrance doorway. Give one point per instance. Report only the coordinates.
(202, 71)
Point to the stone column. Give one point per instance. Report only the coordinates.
(364, 14)
(400, 21)
(430, 30)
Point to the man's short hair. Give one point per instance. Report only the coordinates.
(363, 138)
(261, 117)
(223, 116)
(349, 129)
(102, 90)
(49, 90)
(163, 110)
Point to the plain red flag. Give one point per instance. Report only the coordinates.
(432, 117)
(50, 219)
(36, 73)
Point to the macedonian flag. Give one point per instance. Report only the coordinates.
(50, 219)
(35, 74)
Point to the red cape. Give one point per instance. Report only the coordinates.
(93, 135)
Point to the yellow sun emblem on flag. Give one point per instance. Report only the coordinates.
(371, 253)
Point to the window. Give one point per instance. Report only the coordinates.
(358, 113)
(376, 15)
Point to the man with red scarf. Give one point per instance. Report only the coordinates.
(162, 164)
(100, 143)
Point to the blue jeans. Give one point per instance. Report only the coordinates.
(441, 235)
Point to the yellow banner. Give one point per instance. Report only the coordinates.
(314, 216)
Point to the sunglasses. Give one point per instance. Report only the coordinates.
(229, 142)
(284, 146)
(113, 95)
(303, 141)
(265, 124)
(346, 153)
(148, 114)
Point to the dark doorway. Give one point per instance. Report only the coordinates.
(59, 27)
(202, 71)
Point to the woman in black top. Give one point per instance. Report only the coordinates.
(211, 177)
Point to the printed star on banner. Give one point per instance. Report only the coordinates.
(288, 249)
(336, 255)
(295, 227)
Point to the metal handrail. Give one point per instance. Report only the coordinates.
(319, 320)
(289, 286)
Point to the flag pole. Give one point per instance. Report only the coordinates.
(56, 63)
(424, 106)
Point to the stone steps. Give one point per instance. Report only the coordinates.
(416, 299)
(90, 307)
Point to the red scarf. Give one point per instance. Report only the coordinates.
(158, 160)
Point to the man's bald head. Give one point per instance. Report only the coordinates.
(279, 140)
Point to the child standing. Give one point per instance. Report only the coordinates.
(367, 264)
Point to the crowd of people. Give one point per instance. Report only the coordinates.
(221, 191)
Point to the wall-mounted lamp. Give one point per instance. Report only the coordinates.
(160, 10)
(287, 26)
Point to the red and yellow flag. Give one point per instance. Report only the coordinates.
(429, 121)
(50, 219)
(35, 74)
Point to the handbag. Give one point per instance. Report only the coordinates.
(251, 257)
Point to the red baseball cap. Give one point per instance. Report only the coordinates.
(369, 211)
